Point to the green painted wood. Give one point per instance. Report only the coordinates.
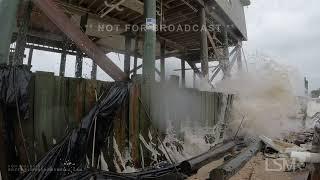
(91, 92)
(8, 10)
(134, 124)
(3, 151)
(43, 112)
(28, 124)
(60, 119)
(76, 96)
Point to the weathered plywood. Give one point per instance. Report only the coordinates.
(43, 111)
(60, 120)
(134, 105)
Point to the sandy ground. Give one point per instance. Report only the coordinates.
(253, 170)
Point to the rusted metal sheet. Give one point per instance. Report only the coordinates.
(58, 17)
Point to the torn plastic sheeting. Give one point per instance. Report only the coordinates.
(69, 156)
(168, 172)
(14, 84)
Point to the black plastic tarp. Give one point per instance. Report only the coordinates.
(14, 84)
(67, 160)
(69, 156)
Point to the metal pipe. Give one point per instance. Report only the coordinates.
(8, 10)
(306, 157)
(193, 165)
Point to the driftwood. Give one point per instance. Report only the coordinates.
(191, 166)
(231, 167)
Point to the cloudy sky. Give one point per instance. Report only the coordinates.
(288, 31)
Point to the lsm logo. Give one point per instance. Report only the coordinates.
(283, 164)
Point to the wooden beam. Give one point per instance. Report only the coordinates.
(94, 71)
(239, 59)
(30, 56)
(136, 51)
(183, 73)
(134, 5)
(213, 45)
(58, 17)
(63, 60)
(219, 67)
(200, 2)
(162, 61)
(79, 56)
(127, 56)
(203, 44)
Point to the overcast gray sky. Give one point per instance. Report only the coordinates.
(289, 32)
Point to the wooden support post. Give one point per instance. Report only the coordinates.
(23, 23)
(78, 65)
(149, 41)
(239, 59)
(204, 43)
(183, 73)
(94, 71)
(63, 22)
(3, 147)
(127, 55)
(162, 61)
(30, 57)
(63, 60)
(79, 57)
(194, 79)
(8, 10)
(136, 51)
(225, 61)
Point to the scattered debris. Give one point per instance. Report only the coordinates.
(306, 157)
(280, 146)
(231, 167)
(192, 165)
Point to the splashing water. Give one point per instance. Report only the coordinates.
(265, 97)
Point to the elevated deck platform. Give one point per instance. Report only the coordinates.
(106, 26)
